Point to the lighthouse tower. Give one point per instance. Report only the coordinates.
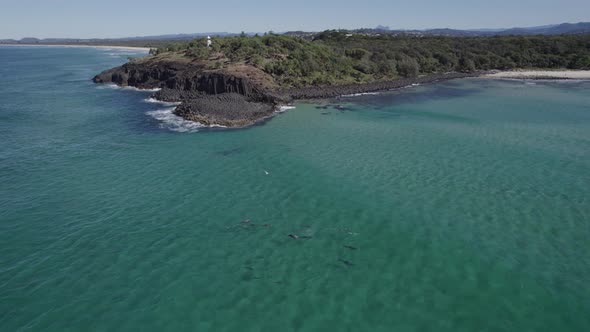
(208, 41)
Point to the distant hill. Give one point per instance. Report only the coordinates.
(181, 36)
(549, 30)
(561, 29)
(159, 40)
(140, 40)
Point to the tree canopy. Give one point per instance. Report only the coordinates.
(334, 57)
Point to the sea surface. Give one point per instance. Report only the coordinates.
(458, 206)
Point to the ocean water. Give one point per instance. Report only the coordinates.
(458, 206)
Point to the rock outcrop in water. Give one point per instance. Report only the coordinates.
(209, 97)
(233, 98)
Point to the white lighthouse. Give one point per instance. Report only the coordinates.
(208, 41)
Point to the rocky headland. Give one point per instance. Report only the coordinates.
(208, 97)
(237, 96)
(237, 81)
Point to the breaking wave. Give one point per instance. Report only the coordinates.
(169, 120)
(156, 101)
(115, 86)
(282, 109)
(138, 89)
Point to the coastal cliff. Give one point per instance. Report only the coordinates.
(176, 76)
(232, 99)
(209, 97)
(236, 81)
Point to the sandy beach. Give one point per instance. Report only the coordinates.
(131, 48)
(542, 74)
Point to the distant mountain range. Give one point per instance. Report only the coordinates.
(170, 37)
(556, 29)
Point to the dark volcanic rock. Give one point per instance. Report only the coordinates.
(171, 95)
(323, 92)
(226, 109)
(178, 76)
(211, 98)
(218, 98)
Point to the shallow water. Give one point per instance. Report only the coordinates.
(459, 206)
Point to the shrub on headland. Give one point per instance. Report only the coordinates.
(334, 57)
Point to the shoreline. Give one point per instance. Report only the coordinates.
(355, 89)
(131, 48)
(173, 106)
(223, 110)
(200, 108)
(540, 75)
(232, 110)
(338, 92)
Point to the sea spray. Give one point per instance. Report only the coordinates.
(284, 108)
(153, 100)
(132, 88)
(169, 120)
(142, 90)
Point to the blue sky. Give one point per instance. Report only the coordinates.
(120, 18)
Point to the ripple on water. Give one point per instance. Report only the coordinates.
(458, 225)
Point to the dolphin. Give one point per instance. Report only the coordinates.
(347, 263)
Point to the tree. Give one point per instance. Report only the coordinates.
(466, 65)
(408, 67)
(387, 67)
(332, 57)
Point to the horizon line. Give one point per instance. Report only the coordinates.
(385, 27)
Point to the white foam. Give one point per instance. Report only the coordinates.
(168, 120)
(173, 122)
(138, 89)
(165, 103)
(285, 108)
(360, 94)
(411, 86)
(107, 86)
(115, 86)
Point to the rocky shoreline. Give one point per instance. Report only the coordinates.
(216, 98)
(324, 92)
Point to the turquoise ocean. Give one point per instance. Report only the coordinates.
(456, 206)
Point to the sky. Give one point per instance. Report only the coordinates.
(126, 18)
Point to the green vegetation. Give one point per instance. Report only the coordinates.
(335, 57)
(291, 61)
(439, 54)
